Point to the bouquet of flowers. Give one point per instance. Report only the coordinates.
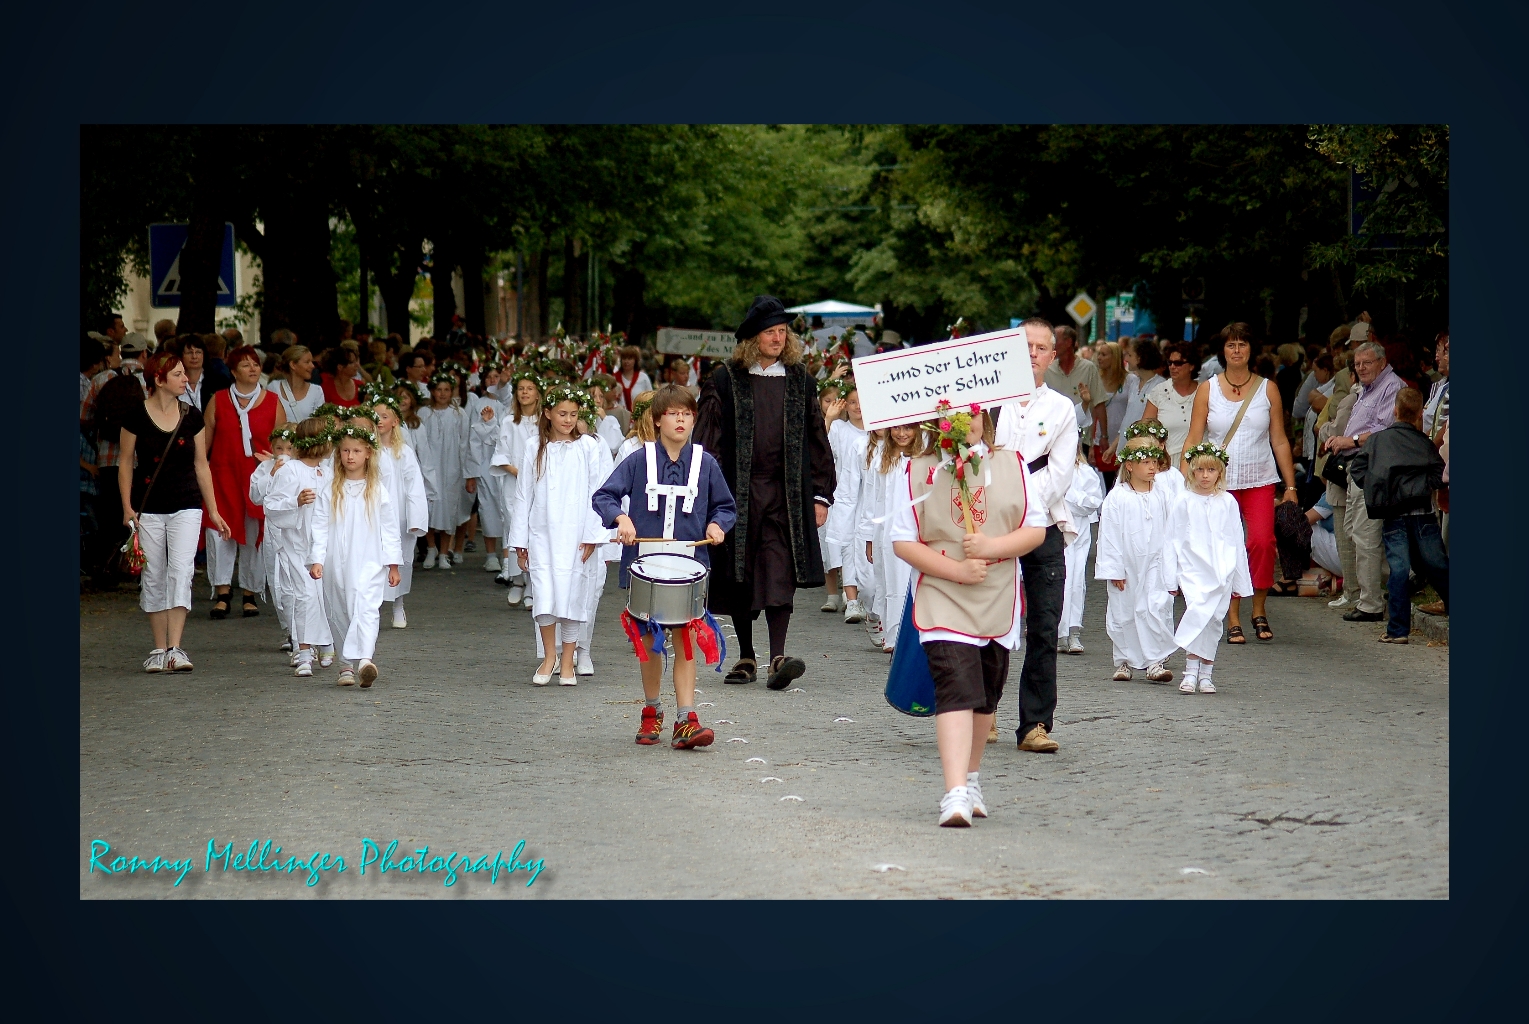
(951, 431)
(960, 328)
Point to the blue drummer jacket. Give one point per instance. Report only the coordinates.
(713, 504)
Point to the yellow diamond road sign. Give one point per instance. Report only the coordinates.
(1081, 308)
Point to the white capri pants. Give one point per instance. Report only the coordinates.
(169, 549)
(221, 554)
(1076, 592)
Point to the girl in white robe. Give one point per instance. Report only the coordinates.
(1132, 535)
(441, 447)
(841, 555)
(280, 592)
(289, 508)
(1206, 559)
(515, 429)
(599, 565)
(555, 530)
(886, 469)
(484, 416)
(1084, 497)
(355, 551)
(406, 486)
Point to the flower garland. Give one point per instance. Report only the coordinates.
(1207, 448)
(328, 410)
(951, 431)
(387, 401)
(844, 386)
(1143, 453)
(442, 377)
(286, 432)
(358, 433)
(1147, 428)
(319, 440)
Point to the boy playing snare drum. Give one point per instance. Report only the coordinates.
(678, 497)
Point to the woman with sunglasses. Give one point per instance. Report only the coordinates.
(1171, 401)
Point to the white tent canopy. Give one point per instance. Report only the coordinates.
(834, 308)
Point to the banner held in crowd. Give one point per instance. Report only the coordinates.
(907, 386)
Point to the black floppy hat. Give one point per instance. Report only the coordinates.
(766, 311)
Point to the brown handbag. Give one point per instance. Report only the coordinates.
(130, 558)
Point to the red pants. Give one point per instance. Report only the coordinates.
(1257, 506)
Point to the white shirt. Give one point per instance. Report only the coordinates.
(775, 369)
(1046, 425)
(903, 525)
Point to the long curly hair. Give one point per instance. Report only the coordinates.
(746, 352)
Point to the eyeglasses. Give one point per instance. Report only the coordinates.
(1177, 362)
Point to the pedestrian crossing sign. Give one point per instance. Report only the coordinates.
(1081, 308)
(165, 244)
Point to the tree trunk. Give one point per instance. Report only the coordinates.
(442, 264)
(397, 288)
(629, 310)
(574, 281)
(203, 251)
(298, 276)
(537, 326)
(364, 312)
(472, 290)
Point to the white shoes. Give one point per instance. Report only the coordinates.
(458, 558)
(367, 673)
(347, 677)
(1074, 643)
(303, 670)
(1159, 673)
(956, 808)
(429, 562)
(491, 563)
(516, 593)
(155, 662)
(400, 618)
(541, 679)
(1206, 686)
(176, 661)
(877, 634)
(832, 604)
(1340, 602)
(1122, 673)
(326, 657)
(853, 612)
(583, 665)
(287, 646)
(1187, 685)
(974, 791)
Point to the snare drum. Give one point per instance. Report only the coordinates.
(667, 589)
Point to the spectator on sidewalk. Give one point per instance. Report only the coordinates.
(1078, 380)
(1373, 411)
(1396, 473)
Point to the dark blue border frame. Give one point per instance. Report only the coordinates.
(335, 61)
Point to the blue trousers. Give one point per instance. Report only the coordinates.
(1412, 542)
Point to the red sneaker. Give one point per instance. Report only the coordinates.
(652, 727)
(688, 732)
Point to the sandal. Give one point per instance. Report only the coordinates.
(251, 609)
(784, 670)
(1234, 635)
(219, 606)
(1261, 627)
(1285, 588)
(743, 672)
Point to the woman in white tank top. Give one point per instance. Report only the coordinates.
(1259, 457)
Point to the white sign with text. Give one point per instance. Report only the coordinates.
(680, 341)
(907, 385)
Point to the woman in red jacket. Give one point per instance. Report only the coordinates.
(340, 378)
(239, 422)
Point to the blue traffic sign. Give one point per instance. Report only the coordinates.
(165, 244)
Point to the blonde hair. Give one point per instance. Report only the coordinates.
(1140, 442)
(313, 427)
(891, 451)
(1114, 377)
(746, 353)
(1208, 460)
(337, 487)
(642, 426)
(394, 443)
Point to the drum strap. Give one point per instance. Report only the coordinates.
(672, 492)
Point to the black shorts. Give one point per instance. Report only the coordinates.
(967, 677)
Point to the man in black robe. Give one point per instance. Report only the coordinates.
(760, 417)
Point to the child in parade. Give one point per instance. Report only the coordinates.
(515, 429)
(555, 531)
(1132, 535)
(964, 547)
(408, 412)
(484, 416)
(1206, 560)
(669, 488)
(289, 507)
(1084, 497)
(599, 568)
(406, 486)
(1168, 477)
(842, 565)
(355, 551)
(885, 471)
(442, 452)
(280, 592)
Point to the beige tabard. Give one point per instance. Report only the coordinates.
(986, 609)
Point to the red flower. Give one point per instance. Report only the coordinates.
(946, 442)
(945, 425)
(976, 408)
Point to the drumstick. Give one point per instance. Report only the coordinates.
(665, 540)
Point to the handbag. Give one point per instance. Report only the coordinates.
(130, 558)
(910, 686)
(1335, 469)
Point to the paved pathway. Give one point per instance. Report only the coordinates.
(1321, 769)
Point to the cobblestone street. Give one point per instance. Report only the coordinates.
(1295, 780)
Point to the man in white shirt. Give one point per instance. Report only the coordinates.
(1043, 429)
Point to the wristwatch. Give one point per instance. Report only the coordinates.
(1355, 438)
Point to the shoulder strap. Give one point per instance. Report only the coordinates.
(165, 456)
(1258, 385)
(692, 486)
(650, 450)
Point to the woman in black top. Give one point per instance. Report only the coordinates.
(164, 490)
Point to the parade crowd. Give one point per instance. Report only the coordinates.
(1202, 477)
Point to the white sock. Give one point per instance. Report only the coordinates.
(398, 612)
(1205, 668)
(971, 779)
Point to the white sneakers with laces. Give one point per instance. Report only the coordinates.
(956, 808)
(583, 665)
(853, 612)
(974, 791)
(1159, 673)
(516, 593)
(491, 563)
(1122, 673)
(429, 562)
(155, 662)
(177, 661)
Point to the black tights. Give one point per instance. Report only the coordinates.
(777, 618)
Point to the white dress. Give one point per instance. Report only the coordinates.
(1207, 557)
(837, 534)
(1132, 532)
(296, 410)
(482, 439)
(552, 517)
(406, 486)
(441, 447)
(889, 574)
(355, 547)
(261, 482)
(1084, 497)
(310, 624)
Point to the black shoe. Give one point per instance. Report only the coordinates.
(1358, 616)
(784, 670)
(741, 673)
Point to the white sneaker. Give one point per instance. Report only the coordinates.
(458, 558)
(830, 605)
(286, 646)
(491, 563)
(516, 593)
(429, 562)
(1187, 685)
(1206, 686)
(853, 612)
(367, 673)
(1122, 673)
(303, 670)
(155, 662)
(1340, 602)
(974, 790)
(956, 809)
(1074, 643)
(583, 664)
(878, 637)
(293, 658)
(347, 677)
(400, 618)
(176, 661)
(1159, 673)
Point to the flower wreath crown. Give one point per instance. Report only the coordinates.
(442, 377)
(328, 409)
(1145, 428)
(1143, 453)
(386, 400)
(1207, 448)
(845, 386)
(527, 373)
(319, 440)
(286, 432)
(359, 433)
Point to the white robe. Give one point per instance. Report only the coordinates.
(355, 548)
(509, 450)
(848, 444)
(1132, 535)
(1084, 497)
(261, 482)
(889, 574)
(482, 440)
(441, 447)
(406, 486)
(310, 623)
(552, 517)
(1207, 556)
